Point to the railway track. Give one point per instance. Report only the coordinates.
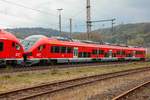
(4, 71)
(133, 91)
(50, 88)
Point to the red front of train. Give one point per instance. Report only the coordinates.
(10, 49)
(59, 50)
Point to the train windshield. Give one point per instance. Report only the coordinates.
(30, 41)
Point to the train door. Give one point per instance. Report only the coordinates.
(97, 54)
(41, 51)
(134, 53)
(18, 50)
(110, 53)
(15, 50)
(75, 52)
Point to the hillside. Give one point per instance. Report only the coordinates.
(24, 32)
(132, 34)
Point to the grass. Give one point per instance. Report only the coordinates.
(11, 82)
(148, 55)
(102, 90)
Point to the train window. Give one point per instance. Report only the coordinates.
(129, 55)
(17, 47)
(1, 46)
(139, 52)
(101, 51)
(89, 54)
(106, 54)
(63, 49)
(55, 49)
(123, 52)
(94, 51)
(84, 54)
(40, 48)
(44, 46)
(52, 49)
(80, 54)
(13, 44)
(114, 55)
(69, 50)
(120, 52)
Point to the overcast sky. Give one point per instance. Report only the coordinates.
(125, 11)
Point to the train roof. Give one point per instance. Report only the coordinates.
(7, 36)
(34, 37)
(32, 41)
(95, 44)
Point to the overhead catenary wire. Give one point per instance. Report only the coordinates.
(26, 7)
(21, 19)
(33, 9)
(30, 8)
(40, 11)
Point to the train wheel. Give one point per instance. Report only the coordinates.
(53, 62)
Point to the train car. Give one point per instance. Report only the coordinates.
(10, 49)
(42, 49)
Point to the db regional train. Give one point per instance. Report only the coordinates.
(11, 49)
(44, 50)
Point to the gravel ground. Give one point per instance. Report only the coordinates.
(141, 94)
(104, 90)
(21, 80)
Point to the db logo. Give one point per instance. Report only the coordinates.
(38, 54)
(18, 54)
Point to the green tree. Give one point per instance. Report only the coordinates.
(136, 42)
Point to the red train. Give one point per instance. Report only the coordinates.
(10, 49)
(42, 49)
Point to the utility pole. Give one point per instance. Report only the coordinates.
(70, 27)
(88, 22)
(113, 24)
(59, 11)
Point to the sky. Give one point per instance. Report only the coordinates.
(43, 13)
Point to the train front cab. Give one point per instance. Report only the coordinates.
(10, 52)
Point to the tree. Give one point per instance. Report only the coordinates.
(136, 42)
